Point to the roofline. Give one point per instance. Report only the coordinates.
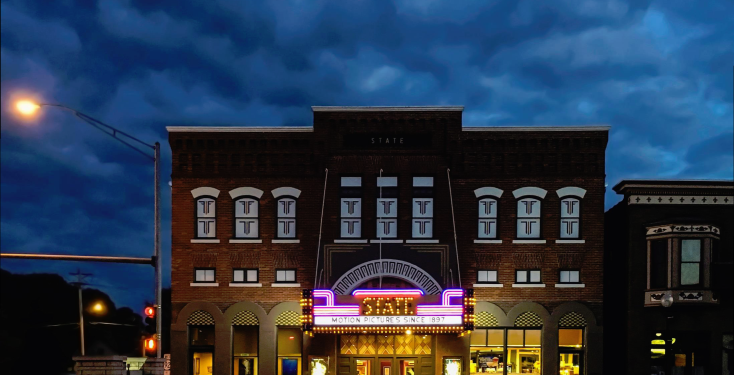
(446, 108)
(239, 129)
(593, 128)
(673, 184)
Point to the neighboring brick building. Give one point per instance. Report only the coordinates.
(668, 269)
(315, 207)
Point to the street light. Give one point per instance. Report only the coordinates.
(98, 308)
(30, 107)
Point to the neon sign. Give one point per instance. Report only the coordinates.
(388, 311)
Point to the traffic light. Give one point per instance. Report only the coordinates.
(150, 320)
(149, 344)
(150, 311)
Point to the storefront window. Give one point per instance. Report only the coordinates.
(201, 349)
(289, 351)
(244, 349)
(523, 351)
(571, 351)
(487, 351)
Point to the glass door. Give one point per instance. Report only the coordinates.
(363, 366)
(407, 366)
(571, 363)
(385, 366)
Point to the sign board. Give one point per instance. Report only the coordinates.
(167, 364)
(387, 310)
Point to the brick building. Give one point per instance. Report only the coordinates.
(668, 290)
(395, 205)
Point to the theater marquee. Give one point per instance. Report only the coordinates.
(388, 311)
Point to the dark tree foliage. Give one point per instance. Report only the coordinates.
(29, 304)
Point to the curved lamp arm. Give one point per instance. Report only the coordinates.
(107, 129)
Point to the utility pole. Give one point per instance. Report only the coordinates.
(79, 282)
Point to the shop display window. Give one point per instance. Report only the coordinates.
(523, 351)
(244, 350)
(289, 351)
(487, 351)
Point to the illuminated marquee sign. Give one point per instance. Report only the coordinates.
(388, 311)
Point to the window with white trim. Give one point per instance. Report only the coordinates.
(422, 207)
(527, 276)
(206, 218)
(244, 275)
(285, 276)
(487, 276)
(487, 218)
(286, 208)
(570, 218)
(204, 275)
(387, 207)
(528, 218)
(351, 207)
(246, 212)
(569, 276)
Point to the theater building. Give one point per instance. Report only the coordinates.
(387, 241)
(668, 291)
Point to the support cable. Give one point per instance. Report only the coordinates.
(321, 223)
(453, 221)
(381, 231)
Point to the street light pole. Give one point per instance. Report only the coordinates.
(27, 108)
(157, 251)
(81, 319)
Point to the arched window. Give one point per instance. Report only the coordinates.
(247, 222)
(206, 218)
(487, 218)
(570, 218)
(528, 218)
(286, 217)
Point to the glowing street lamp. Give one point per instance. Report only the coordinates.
(27, 107)
(98, 308)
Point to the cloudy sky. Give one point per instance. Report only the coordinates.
(659, 72)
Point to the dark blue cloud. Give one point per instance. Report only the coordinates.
(658, 72)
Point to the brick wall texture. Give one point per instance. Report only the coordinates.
(434, 142)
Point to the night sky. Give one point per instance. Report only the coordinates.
(659, 72)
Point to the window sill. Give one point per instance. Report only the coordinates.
(350, 241)
(570, 285)
(286, 241)
(202, 240)
(246, 285)
(528, 285)
(386, 241)
(245, 241)
(529, 241)
(285, 285)
(421, 241)
(204, 284)
(488, 285)
(570, 241)
(487, 241)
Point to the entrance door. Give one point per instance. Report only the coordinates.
(202, 361)
(385, 366)
(408, 366)
(571, 363)
(363, 366)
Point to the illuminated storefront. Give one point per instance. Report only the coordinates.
(389, 331)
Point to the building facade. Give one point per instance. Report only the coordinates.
(668, 288)
(398, 219)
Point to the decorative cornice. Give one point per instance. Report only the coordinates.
(528, 260)
(604, 128)
(239, 129)
(680, 228)
(204, 259)
(681, 199)
(451, 108)
(488, 260)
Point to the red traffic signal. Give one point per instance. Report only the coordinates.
(150, 311)
(150, 344)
